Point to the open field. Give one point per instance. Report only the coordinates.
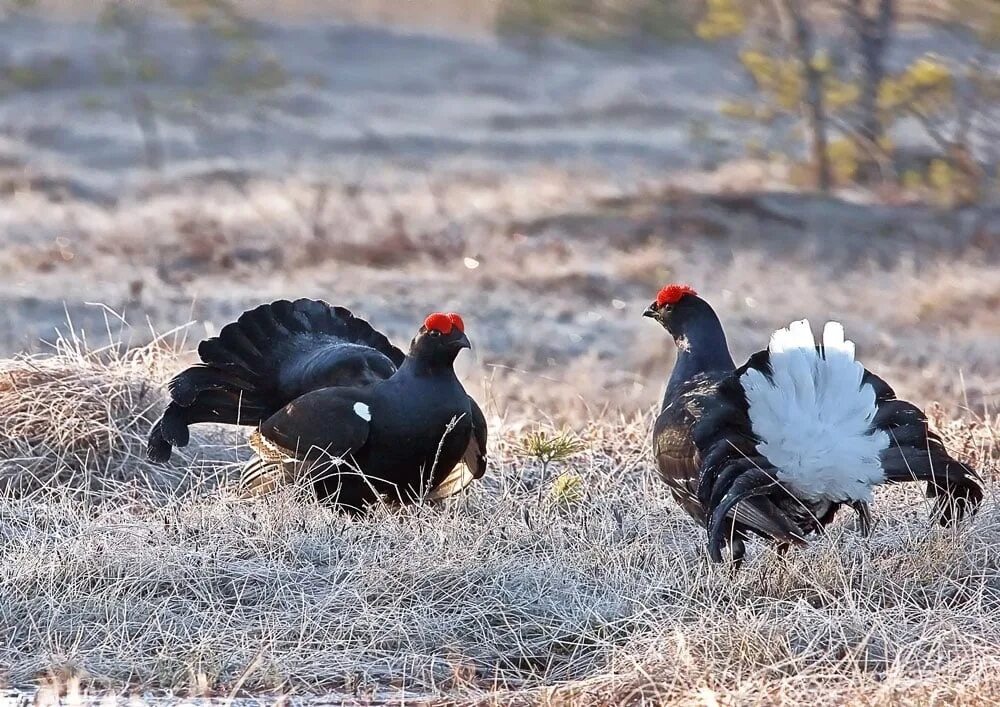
(591, 591)
(545, 196)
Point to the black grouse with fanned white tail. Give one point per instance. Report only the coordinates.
(775, 447)
(335, 403)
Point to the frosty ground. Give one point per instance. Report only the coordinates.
(593, 588)
(545, 196)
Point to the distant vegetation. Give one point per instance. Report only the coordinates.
(821, 76)
(597, 21)
(823, 86)
(847, 98)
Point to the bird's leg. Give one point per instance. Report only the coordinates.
(737, 550)
(864, 512)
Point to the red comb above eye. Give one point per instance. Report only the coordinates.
(441, 323)
(671, 294)
(457, 321)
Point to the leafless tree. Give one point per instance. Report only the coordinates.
(803, 44)
(873, 32)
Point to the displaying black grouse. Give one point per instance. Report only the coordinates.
(336, 404)
(775, 447)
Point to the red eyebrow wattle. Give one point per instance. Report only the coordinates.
(439, 322)
(457, 321)
(671, 294)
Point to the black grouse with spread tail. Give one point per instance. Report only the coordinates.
(335, 403)
(775, 447)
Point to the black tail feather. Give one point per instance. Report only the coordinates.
(955, 486)
(174, 426)
(187, 386)
(916, 453)
(755, 482)
(158, 449)
(955, 502)
(269, 356)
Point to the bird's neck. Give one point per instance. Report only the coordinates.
(427, 368)
(701, 348)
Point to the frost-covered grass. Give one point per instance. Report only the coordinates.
(592, 591)
(547, 197)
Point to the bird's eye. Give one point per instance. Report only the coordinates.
(434, 332)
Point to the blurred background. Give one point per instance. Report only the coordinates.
(542, 166)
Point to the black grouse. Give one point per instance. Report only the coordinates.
(775, 447)
(335, 403)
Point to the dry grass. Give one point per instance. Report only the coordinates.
(568, 580)
(564, 264)
(510, 594)
(75, 422)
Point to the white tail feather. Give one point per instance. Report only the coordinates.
(814, 419)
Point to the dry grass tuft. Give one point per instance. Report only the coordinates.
(77, 420)
(491, 598)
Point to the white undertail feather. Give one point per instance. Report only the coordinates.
(814, 420)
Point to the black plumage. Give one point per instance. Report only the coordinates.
(335, 403)
(709, 455)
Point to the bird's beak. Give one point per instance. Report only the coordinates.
(463, 342)
(651, 312)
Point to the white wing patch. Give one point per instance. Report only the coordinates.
(363, 411)
(814, 419)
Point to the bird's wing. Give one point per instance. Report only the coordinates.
(678, 463)
(331, 421)
(473, 464)
(315, 435)
(702, 413)
(677, 456)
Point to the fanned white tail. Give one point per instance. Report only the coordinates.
(814, 416)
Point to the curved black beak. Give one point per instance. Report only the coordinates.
(463, 342)
(651, 312)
